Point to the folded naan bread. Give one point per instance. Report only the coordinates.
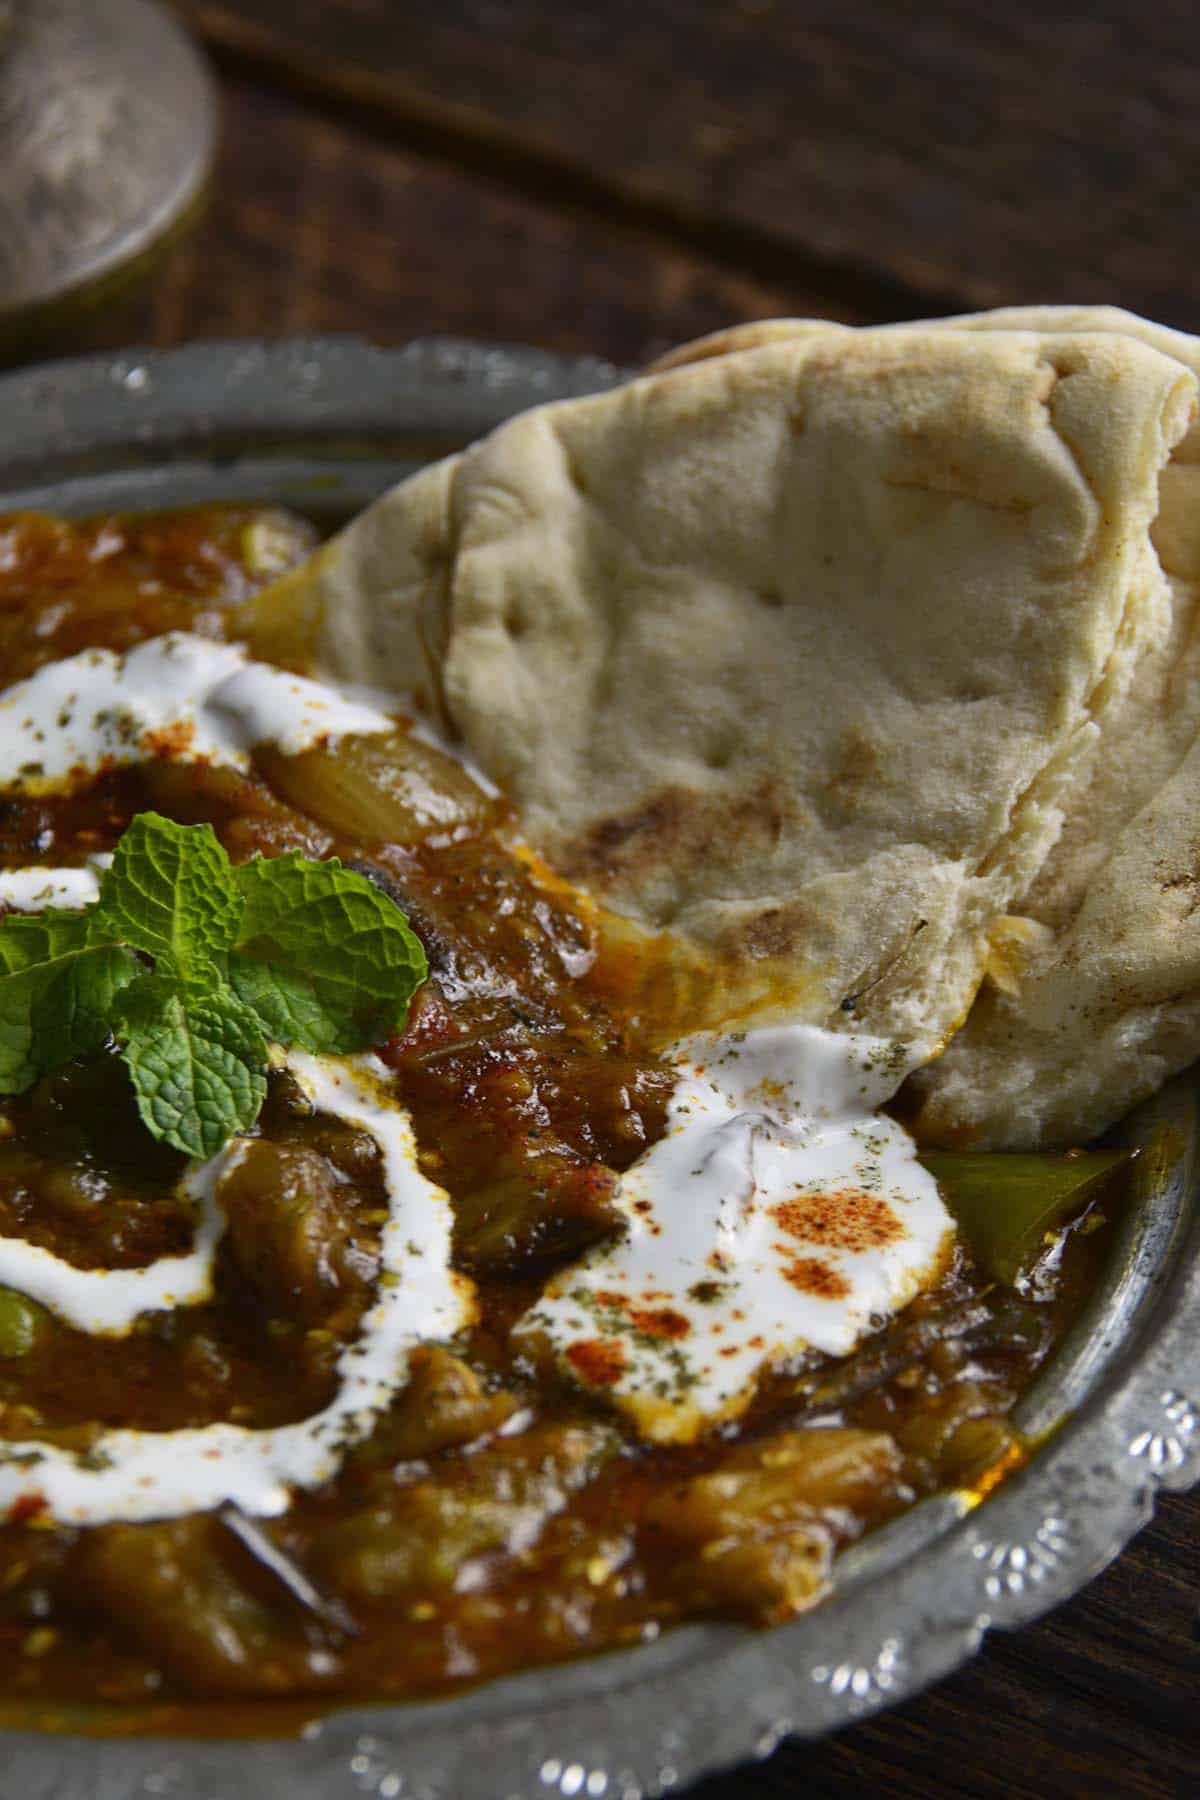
(1101, 1002)
(1094, 995)
(1148, 708)
(795, 651)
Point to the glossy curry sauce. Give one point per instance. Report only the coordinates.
(495, 1520)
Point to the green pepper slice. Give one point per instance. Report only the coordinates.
(1007, 1202)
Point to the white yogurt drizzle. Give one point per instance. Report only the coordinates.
(779, 1211)
(137, 1475)
(181, 697)
(32, 890)
(184, 698)
(108, 1302)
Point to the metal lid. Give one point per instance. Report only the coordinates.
(107, 130)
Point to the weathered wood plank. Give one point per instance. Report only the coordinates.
(962, 150)
(316, 225)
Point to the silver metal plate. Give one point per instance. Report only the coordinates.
(324, 426)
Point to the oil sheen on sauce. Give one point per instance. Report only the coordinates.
(779, 1210)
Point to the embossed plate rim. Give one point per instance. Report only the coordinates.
(327, 422)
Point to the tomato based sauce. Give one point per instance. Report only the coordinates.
(498, 1516)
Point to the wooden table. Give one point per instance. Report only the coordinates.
(617, 177)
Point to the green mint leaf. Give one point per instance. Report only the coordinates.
(75, 1012)
(325, 960)
(198, 1065)
(171, 894)
(20, 1064)
(288, 1007)
(55, 1010)
(20, 992)
(308, 953)
(26, 939)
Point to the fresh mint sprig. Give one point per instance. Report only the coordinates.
(172, 894)
(193, 966)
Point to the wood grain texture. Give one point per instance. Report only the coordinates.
(957, 148)
(315, 225)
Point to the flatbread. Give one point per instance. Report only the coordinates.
(791, 652)
(1094, 996)
(1148, 708)
(1098, 1015)
(1095, 1013)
